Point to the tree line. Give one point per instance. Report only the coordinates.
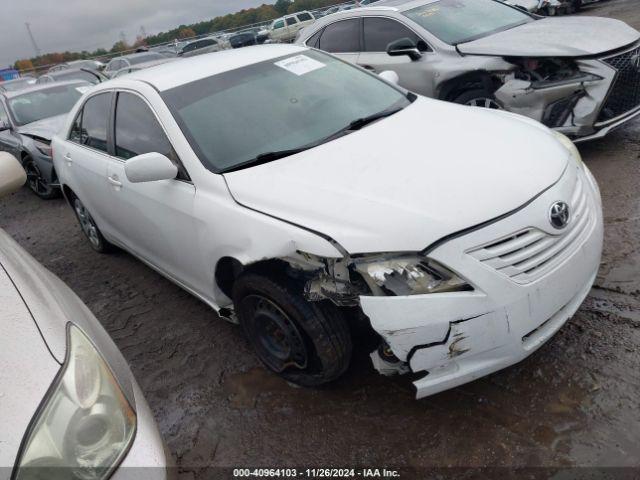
(263, 13)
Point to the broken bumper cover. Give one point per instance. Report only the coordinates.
(458, 337)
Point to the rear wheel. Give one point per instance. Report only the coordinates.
(478, 98)
(305, 343)
(36, 181)
(90, 229)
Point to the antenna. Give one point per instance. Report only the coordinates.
(33, 40)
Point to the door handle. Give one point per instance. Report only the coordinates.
(113, 180)
(68, 159)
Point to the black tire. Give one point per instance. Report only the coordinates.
(89, 227)
(306, 343)
(478, 98)
(36, 182)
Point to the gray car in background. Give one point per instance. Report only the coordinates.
(70, 407)
(75, 64)
(65, 75)
(578, 75)
(28, 120)
(133, 59)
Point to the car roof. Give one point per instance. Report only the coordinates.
(397, 5)
(173, 74)
(16, 80)
(133, 55)
(42, 86)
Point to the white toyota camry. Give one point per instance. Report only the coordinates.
(281, 185)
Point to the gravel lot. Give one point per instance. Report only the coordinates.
(572, 403)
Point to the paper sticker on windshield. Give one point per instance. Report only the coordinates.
(83, 90)
(300, 64)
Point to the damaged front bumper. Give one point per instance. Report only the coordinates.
(603, 95)
(528, 279)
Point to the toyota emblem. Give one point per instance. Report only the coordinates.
(559, 215)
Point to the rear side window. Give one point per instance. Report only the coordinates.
(380, 32)
(314, 40)
(304, 17)
(3, 115)
(90, 127)
(341, 37)
(291, 21)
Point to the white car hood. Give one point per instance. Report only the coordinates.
(556, 37)
(27, 369)
(402, 183)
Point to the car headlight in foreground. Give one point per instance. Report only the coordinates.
(569, 145)
(409, 275)
(85, 425)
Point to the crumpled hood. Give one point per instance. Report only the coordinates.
(45, 128)
(556, 37)
(27, 369)
(400, 184)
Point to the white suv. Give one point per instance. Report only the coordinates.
(463, 249)
(285, 29)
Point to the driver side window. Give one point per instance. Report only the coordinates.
(137, 131)
(3, 115)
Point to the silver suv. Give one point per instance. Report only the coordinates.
(578, 75)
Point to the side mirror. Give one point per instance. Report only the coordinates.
(150, 167)
(4, 126)
(390, 76)
(12, 175)
(404, 46)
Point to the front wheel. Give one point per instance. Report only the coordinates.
(478, 98)
(306, 343)
(36, 181)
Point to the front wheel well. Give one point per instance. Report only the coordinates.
(229, 269)
(455, 87)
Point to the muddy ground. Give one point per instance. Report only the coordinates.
(575, 402)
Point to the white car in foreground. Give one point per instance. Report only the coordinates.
(465, 250)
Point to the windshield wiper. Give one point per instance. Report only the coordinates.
(278, 154)
(364, 121)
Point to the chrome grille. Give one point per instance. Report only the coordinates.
(529, 254)
(624, 95)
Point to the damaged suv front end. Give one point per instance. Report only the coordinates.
(577, 75)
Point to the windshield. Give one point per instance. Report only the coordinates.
(147, 57)
(281, 104)
(76, 75)
(34, 106)
(459, 21)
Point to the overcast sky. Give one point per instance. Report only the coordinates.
(90, 24)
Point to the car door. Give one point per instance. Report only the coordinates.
(85, 157)
(279, 30)
(9, 142)
(154, 220)
(342, 38)
(415, 75)
(291, 28)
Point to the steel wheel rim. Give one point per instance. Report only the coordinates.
(35, 181)
(275, 336)
(484, 102)
(87, 224)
